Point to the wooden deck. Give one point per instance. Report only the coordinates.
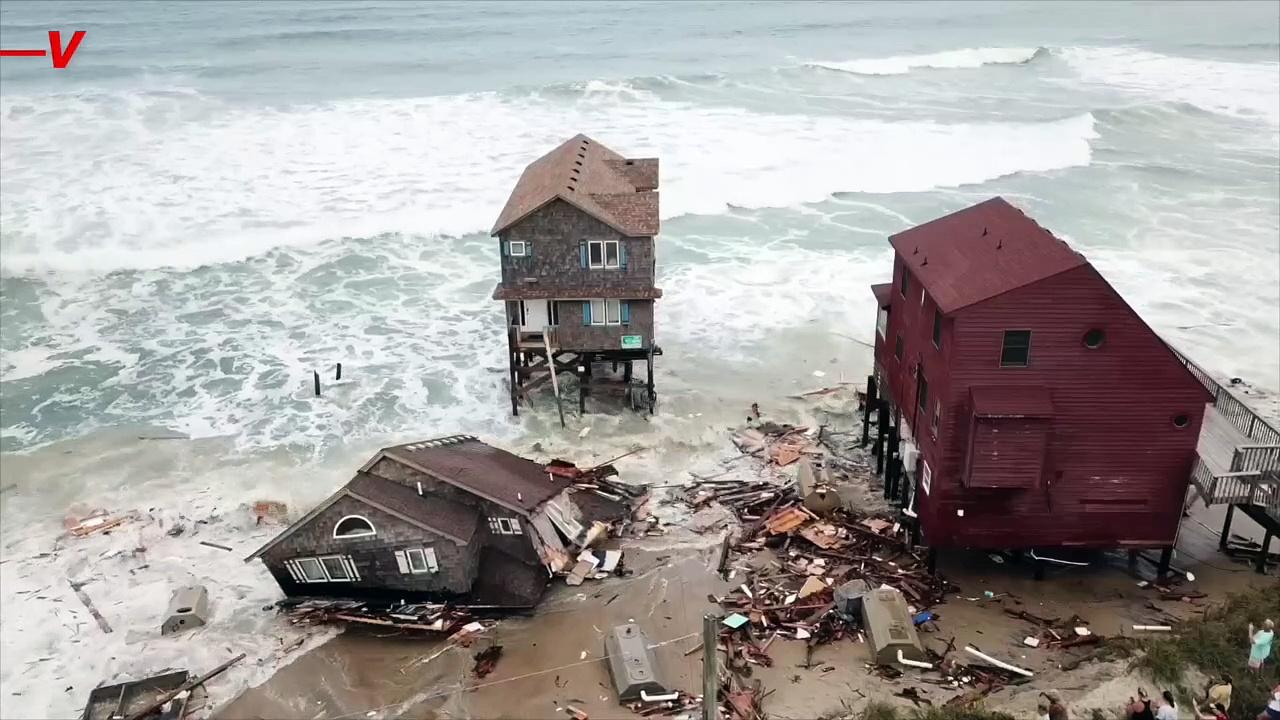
(1219, 439)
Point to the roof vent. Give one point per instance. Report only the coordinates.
(578, 163)
(569, 188)
(1000, 244)
(984, 232)
(926, 261)
(631, 162)
(916, 251)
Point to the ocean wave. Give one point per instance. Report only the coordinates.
(148, 180)
(966, 58)
(1237, 89)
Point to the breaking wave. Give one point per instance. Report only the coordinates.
(966, 58)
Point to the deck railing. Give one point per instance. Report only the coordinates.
(1230, 407)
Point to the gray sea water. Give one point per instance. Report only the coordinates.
(215, 199)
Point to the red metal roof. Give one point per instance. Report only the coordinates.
(618, 191)
(881, 291)
(1028, 401)
(980, 252)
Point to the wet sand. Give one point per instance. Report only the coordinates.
(543, 669)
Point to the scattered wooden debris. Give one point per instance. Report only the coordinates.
(419, 617)
(486, 660)
(84, 599)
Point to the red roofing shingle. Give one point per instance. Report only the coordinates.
(617, 191)
(981, 251)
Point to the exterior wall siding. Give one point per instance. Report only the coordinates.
(519, 546)
(1116, 468)
(554, 232)
(573, 334)
(374, 557)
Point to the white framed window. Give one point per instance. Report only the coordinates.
(926, 476)
(310, 570)
(330, 568)
(553, 313)
(937, 417)
(505, 526)
(603, 254)
(415, 561)
(517, 248)
(606, 312)
(882, 321)
(335, 566)
(353, 526)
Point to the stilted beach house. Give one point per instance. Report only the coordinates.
(1021, 403)
(576, 240)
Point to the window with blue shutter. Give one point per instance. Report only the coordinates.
(626, 311)
(586, 312)
(622, 255)
(582, 253)
(503, 245)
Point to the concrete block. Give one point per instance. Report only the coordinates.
(632, 664)
(189, 609)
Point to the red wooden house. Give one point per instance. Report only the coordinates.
(1028, 406)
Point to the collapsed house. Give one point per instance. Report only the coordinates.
(443, 519)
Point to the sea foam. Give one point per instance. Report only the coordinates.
(152, 180)
(966, 58)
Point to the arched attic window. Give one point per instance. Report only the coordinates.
(353, 526)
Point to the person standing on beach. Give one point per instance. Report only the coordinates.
(1168, 708)
(1260, 649)
(1272, 710)
(1220, 692)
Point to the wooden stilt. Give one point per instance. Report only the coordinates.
(649, 379)
(890, 455)
(626, 372)
(555, 384)
(882, 430)
(1262, 553)
(1226, 528)
(1133, 562)
(1039, 566)
(866, 409)
(932, 561)
(1162, 572)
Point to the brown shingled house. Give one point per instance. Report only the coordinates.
(437, 519)
(577, 244)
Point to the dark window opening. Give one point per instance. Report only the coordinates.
(897, 347)
(937, 417)
(906, 281)
(597, 254)
(1181, 421)
(1093, 339)
(553, 313)
(922, 392)
(937, 329)
(1016, 349)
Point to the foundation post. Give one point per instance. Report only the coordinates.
(1262, 553)
(932, 561)
(710, 669)
(882, 429)
(1226, 527)
(650, 379)
(866, 409)
(891, 463)
(1162, 572)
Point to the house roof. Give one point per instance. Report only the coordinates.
(881, 291)
(1029, 401)
(980, 252)
(617, 191)
(544, 291)
(496, 475)
(442, 517)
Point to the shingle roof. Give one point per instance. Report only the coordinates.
(483, 470)
(617, 191)
(980, 252)
(442, 517)
(454, 520)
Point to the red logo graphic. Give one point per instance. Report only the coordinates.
(61, 56)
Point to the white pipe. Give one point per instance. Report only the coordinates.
(1056, 560)
(998, 663)
(910, 513)
(914, 663)
(645, 696)
(1154, 628)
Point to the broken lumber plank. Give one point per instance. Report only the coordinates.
(216, 545)
(88, 604)
(160, 701)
